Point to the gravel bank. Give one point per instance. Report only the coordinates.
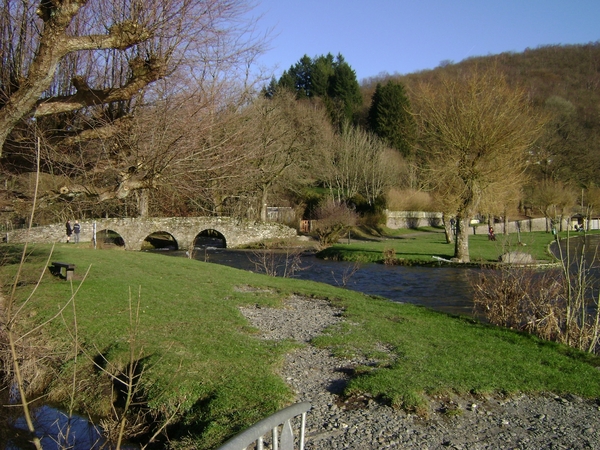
(523, 422)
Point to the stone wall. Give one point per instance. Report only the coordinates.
(415, 219)
(412, 219)
(237, 232)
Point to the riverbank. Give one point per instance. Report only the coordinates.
(427, 246)
(206, 363)
(450, 420)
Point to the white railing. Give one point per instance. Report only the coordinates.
(257, 432)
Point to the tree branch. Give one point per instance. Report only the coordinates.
(144, 72)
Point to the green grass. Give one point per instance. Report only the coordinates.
(418, 246)
(200, 351)
(433, 353)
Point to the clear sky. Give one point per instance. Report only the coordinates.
(405, 36)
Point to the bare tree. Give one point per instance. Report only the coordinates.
(333, 219)
(93, 136)
(551, 199)
(359, 163)
(475, 131)
(90, 41)
(288, 134)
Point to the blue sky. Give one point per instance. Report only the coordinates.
(404, 36)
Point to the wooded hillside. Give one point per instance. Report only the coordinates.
(564, 83)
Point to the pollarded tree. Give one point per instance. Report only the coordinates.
(61, 56)
(390, 116)
(127, 132)
(552, 199)
(475, 133)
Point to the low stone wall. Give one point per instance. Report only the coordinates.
(237, 232)
(412, 219)
(522, 226)
(416, 219)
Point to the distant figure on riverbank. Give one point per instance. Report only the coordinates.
(491, 235)
(76, 230)
(69, 231)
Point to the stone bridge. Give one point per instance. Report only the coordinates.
(183, 231)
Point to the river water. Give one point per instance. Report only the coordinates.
(441, 288)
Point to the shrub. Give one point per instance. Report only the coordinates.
(333, 219)
(553, 304)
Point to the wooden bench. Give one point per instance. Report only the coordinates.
(57, 267)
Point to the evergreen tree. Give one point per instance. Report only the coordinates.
(270, 90)
(287, 81)
(298, 77)
(344, 90)
(331, 79)
(390, 117)
(323, 69)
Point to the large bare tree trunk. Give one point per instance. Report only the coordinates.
(143, 202)
(54, 43)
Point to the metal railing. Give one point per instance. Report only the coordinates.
(257, 432)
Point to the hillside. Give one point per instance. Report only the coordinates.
(564, 83)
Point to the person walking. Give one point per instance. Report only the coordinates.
(76, 230)
(69, 231)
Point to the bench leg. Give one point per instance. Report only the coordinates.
(69, 275)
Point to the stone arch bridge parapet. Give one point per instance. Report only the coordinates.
(237, 232)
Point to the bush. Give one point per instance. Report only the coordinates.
(552, 304)
(333, 220)
(409, 200)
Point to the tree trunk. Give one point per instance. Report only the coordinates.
(263, 203)
(447, 229)
(143, 202)
(461, 247)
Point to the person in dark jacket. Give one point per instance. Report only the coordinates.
(69, 231)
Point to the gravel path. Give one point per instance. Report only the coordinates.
(523, 422)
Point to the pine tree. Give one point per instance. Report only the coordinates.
(344, 89)
(390, 117)
(331, 79)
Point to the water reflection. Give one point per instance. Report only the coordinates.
(57, 431)
(589, 244)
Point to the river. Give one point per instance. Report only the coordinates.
(444, 289)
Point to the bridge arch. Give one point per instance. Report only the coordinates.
(210, 238)
(160, 240)
(109, 238)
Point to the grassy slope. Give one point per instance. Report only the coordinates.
(199, 349)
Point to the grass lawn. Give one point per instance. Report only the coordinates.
(201, 356)
(418, 246)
